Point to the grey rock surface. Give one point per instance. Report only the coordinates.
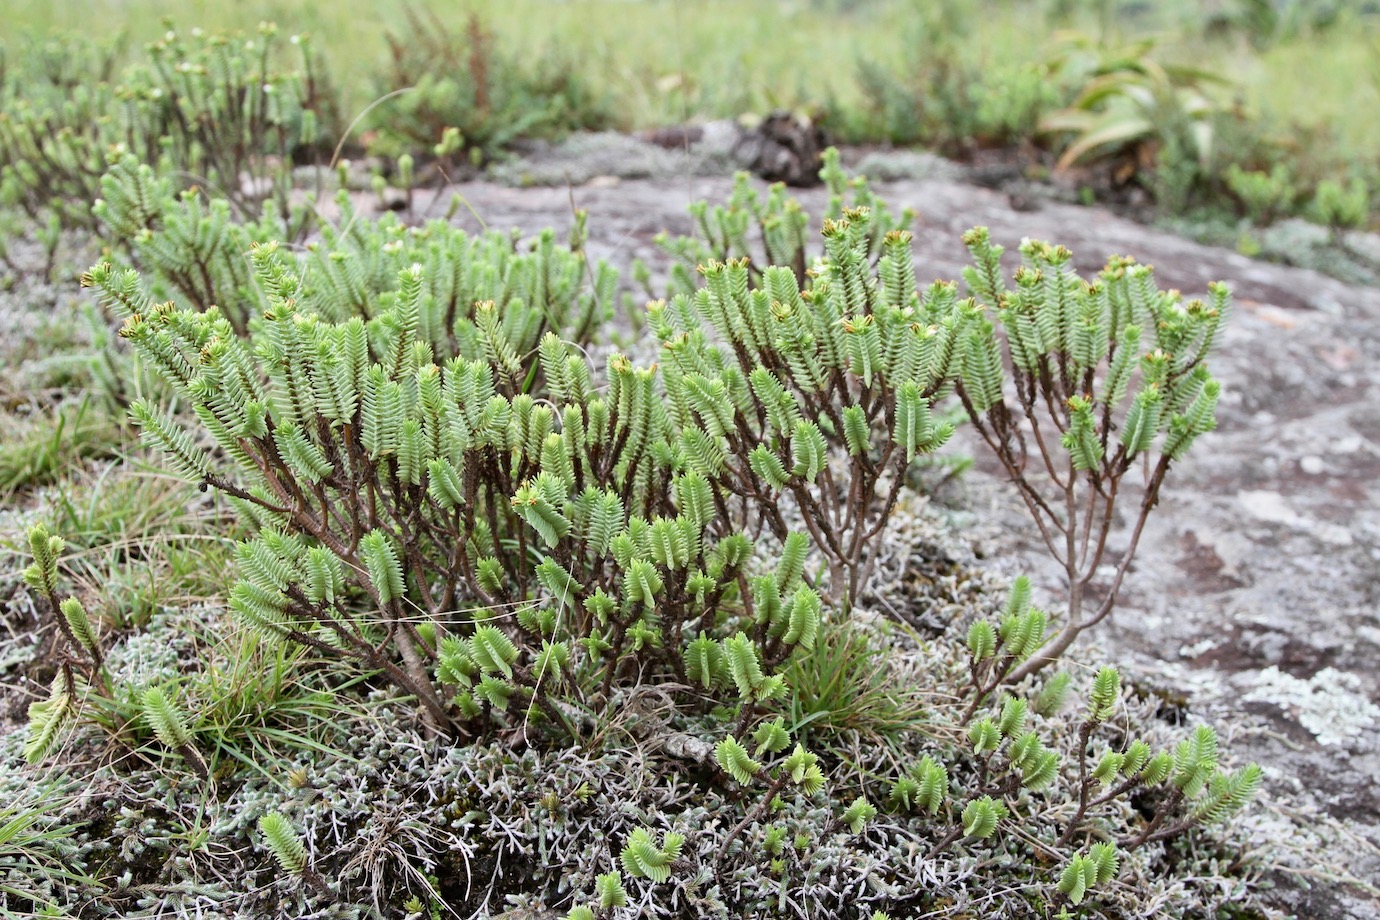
(1256, 589)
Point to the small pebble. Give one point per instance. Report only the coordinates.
(1311, 465)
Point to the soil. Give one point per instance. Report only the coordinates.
(1255, 591)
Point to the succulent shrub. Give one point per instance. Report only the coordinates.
(378, 473)
(508, 529)
(198, 250)
(447, 460)
(1056, 367)
(846, 369)
(216, 111)
(1105, 383)
(444, 488)
(1342, 206)
(1264, 196)
(450, 462)
(46, 96)
(775, 230)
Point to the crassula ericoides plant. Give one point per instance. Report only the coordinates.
(1090, 393)
(222, 111)
(479, 519)
(516, 536)
(463, 506)
(494, 532)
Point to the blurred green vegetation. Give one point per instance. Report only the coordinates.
(1186, 89)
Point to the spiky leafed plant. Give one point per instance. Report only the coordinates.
(1108, 387)
(469, 508)
(213, 110)
(821, 395)
(773, 230)
(197, 250)
(404, 505)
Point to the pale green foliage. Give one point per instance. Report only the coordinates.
(743, 665)
(609, 890)
(1052, 694)
(160, 432)
(984, 736)
(196, 251)
(1195, 760)
(704, 661)
(803, 769)
(982, 640)
(1022, 633)
(735, 760)
(211, 108)
(903, 791)
(283, 842)
(1013, 715)
(449, 493)
(193, 245)
(383, 566)
(47, 717)
(41, 574)
(981, 815)
(933, 782)
(1108, 767)
(995, 650)
(1157, 768)
(69, 687)
(1342, 207)
(828, 377)
(167, 721)
(924, 788)
(1264, 195)
(724, 232)
(1037, 764)
(1083, 873)
(642, 858)
(1106, 376)
(492, 651)
(80, 624)
(1227, 793)
(857, 815)
(771, 737)
(513, 442)
(1105, 696)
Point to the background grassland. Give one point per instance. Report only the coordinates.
(664, 62)
(660, 62)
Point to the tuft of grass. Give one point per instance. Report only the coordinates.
(140, 541)
(262, 704)
(848, 689)
(33, 853)
(40, 449)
